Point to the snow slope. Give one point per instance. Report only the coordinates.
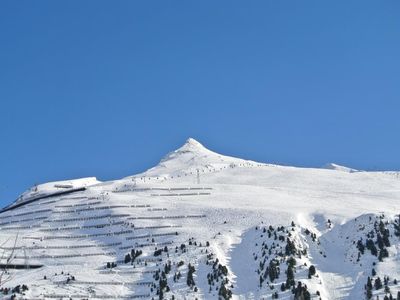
(241, 225)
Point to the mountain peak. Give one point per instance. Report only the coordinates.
(192, 141)
(191, 155)
(190, 150)
(191, 144)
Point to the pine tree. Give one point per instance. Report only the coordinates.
(360, 246)
(127, 258)
(369, 283)
(290, 277)
(273, 270)
(290, 248)
(369, 293)
(283, 287)
(396, 225)
(379, 241)
(370, 245)
(224, 293)
(378, 283)
(190, 280)
(382, 254)
(311, 271)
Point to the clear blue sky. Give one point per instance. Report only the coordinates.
(106, 88)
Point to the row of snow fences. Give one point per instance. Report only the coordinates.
(180, 194)
(111, 283)
(87, 218)
(136, 245)
(166, 217)
(20, 227)
(150, 235)
(100, 208)
(94, 296)
(161, 189)
(54, 247)
(145, 260)
(61, 199)
(156, 227)
(80, 236)
(145, 245)
(120, 216)
(75, 210)
(23, 220)
(66, 255)
(104, 225)
(74, 198)
(113, 271)
(90, 218)
(83, 236)
(77, 205)
(98, 217)
(86, 227)
(41, 203)
(83, 227)
(26, 213)
(63, 247)
(19, 266)
(62, 228)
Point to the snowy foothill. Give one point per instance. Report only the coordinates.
(201, 225)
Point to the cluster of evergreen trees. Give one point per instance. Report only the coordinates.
(283, 248)
(382, 234)
(130, 257)
(300, 292)
(378, 285)
(161, 278)
(158, 252)
(311, 234)
(19, 289)
(218, 277)
(111, 265)
(289, 274)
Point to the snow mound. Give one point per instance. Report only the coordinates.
(336, 167)
(56, 186)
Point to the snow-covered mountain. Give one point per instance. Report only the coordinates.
(207, 226)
